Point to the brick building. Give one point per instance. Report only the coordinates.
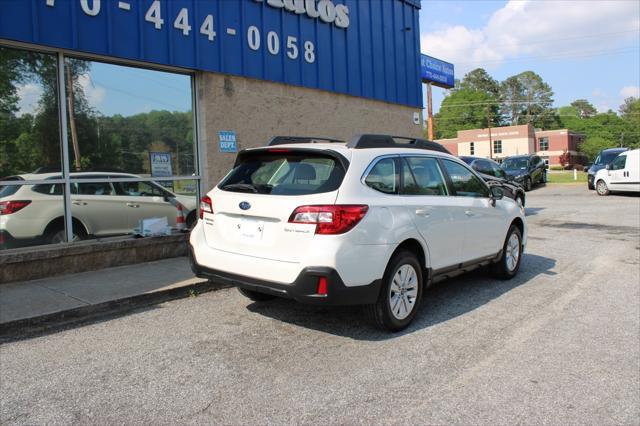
(501, 142)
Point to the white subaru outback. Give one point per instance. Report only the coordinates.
(370, 222)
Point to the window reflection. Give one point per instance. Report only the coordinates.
(118, 116)
(29, 126)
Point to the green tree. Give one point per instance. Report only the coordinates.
(584, 108)
(462, 110)
(480, 80)
(527, 99)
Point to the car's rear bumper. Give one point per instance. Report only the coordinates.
(303, 289)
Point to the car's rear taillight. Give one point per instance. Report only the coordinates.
(330, 219)
(8, 207)
(206, 206)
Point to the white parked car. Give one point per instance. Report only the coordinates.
(35, 213)
(370, 222)
(622, 174)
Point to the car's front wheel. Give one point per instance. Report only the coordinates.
(602, 188)
(509, 264)
(400, 293)
(527, 184)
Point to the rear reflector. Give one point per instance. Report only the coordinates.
(330, 219)
(322, 286)
(8, 207)
(206, 206)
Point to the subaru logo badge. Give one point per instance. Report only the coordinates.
(245, 205)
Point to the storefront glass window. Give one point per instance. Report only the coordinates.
(131, 149)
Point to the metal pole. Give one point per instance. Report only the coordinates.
(430, 111)
(195, 107)
(62, 111)
(489, 125)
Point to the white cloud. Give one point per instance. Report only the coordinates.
(95, 94)
(537, 29)
(630, 91)
(29, 95)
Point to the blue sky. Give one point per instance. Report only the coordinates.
(583, 49)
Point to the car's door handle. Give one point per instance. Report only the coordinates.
(423, 212)
(79, 203)
(135, 206)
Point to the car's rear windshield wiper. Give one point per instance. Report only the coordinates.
(240, 187)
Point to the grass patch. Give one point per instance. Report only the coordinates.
(566, 177)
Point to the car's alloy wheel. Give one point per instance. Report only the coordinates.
(509, 263)
(60, 237)
(513, 252)
(601, 188)
(400, 293)
(403, 292)
(527, 184)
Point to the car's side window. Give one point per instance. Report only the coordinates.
(141, 189)
(465, 183)
(101, 188)
(497, 171)
(619, 162)
(422, 176)
(483, 166)
(384, 176)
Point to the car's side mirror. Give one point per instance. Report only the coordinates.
(497, 193)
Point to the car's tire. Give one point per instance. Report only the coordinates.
(400, 293)
(191, 220)
(56, 234)
(601, 188)
(527, 184)
(543, 180)
(256, 296)
(509, 263)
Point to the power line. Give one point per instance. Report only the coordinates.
(600, 35)
(564, 55)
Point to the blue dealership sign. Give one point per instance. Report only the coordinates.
(437, 72)
(365, 48)
(227, 141)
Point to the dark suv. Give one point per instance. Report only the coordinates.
(604, 157)
(527, 170)
(491, 172)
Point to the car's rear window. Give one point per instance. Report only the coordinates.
(284, 172)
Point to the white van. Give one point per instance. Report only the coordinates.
(622, 174)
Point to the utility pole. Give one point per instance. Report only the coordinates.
(622, 140)
(72, 118)
(429, 112)
(489, 126)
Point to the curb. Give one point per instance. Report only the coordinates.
(28, 327)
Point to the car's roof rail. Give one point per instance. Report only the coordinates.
(388, 141)
(285, 140)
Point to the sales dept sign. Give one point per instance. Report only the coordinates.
(326, 10)
(227, 141)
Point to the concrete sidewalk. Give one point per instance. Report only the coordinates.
(31, 302)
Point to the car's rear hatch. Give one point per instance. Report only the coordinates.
(253, 204)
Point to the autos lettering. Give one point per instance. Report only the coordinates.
(326, 10)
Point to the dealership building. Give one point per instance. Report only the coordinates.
(500, 142)
(101, 96)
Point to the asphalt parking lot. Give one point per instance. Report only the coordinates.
(559, 344)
